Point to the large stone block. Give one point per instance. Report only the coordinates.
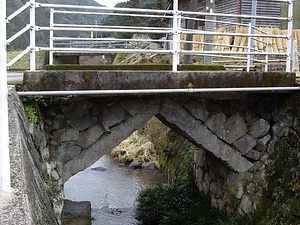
(90, 136)
(76, 213)
(197, 109)
(132, 106)
(245, 144)
(66, 151)
(110, 116)
(83, 123)
(234, 128)
(76, 109)
(216, 122)
(66, 135)
(259, 128)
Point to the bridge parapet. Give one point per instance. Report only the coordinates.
(123, 81)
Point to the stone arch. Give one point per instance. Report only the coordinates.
(87, 128)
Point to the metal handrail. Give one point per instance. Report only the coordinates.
(174, 32)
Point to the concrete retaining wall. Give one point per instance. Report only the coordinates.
(30, 201)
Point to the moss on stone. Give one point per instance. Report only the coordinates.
(152, 67)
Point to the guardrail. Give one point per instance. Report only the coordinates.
(135, 37)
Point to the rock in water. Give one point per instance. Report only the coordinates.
(149, 165)
(99, 168)
(76, 213)
(135, 164)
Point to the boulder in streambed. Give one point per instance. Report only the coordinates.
(135, 164)
(99, 168)
(76, 213)
(149, 165)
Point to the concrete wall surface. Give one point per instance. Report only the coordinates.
(30, 201)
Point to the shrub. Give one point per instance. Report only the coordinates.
(177, 203)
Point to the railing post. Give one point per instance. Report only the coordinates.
(252, 31)
(210, 27)
(267, 56)
(4, 132)
(51, 36)
(289, 35)
(32, 35)
(175, 36)
(249, 56)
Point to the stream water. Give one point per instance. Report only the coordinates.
(112, 190)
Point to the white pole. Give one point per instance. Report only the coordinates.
(32, 35)
(51, 36)
(252, 31)
(175, 36)
(4, 136)
(290, 35)
(249, 56)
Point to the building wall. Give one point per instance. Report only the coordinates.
(263, 9)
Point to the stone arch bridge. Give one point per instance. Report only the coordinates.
(85, 128)
(236, 130)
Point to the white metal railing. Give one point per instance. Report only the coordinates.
(86, 42)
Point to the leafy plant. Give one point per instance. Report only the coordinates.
(31, 113)
(54, 190)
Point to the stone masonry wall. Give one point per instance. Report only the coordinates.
(236, 135)
(252, 126)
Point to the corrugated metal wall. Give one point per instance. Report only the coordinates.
(264, 8)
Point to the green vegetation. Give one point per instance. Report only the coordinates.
(281, 201)
(54, 190)
(136, 67)
(179, 202)
(31, 113)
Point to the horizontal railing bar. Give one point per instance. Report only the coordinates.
(131, 30)
(199, 32)
(109, 39)
(141, 51)
(45, 5)
(103, 50)
(18, 34)
(214, 44)
(114, 14)
(158, 91)
(232, 15)
(115, 27)
(190, 52)
(261, 41)
(20, 10)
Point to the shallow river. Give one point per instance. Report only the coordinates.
(112, 190)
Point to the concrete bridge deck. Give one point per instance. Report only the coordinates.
(147, 81)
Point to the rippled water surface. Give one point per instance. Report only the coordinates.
(112, 190)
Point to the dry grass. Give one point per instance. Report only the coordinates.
(23, 63)
(136, 147)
